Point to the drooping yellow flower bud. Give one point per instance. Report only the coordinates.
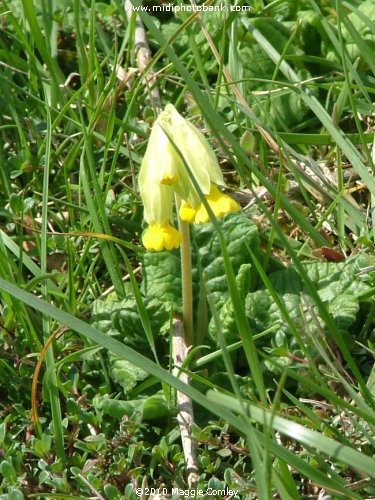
(187, 212)
(158, 176)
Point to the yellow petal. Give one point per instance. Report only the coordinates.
(160, 237)
(201, 216)
(158, 176)
(157, 199)
(220, 203)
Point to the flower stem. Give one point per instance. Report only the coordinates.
(183, 338)
(187, 282)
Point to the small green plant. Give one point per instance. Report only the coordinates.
(179, 162)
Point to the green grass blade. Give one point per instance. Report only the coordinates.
(261, 471)
(27, 261)
(97, 209)
(39, 37)
(51, 377)
(302, 434)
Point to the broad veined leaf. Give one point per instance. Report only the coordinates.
(338, 284)
(284, 107)
(358, 35)
(121, 319)
(240, 234)
(162, 277)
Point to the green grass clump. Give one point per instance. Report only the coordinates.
(282, 370)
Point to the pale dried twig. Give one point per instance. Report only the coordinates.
(185, 415)
(143, 53)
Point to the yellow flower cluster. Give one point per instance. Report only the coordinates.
(163, 174)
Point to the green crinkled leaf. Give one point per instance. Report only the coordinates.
(338, 285)
(278, 35)
(239, 234)
(364, 30)
(126, 319)
(121, 318)
(102, 312)
(256, 62)
(367, 8)
(169, 30)
(162, 277)
(214, 22)
(310, 37)
(151, 408)
(126, 374)
(116, 407)
(243, 280)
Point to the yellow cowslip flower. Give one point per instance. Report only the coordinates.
(161, 237)
(173, 143)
